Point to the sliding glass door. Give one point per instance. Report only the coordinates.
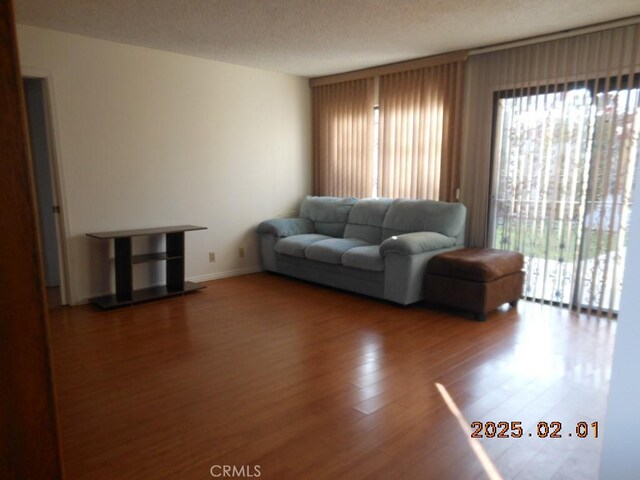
(564, 159)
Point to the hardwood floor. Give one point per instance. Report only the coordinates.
(306, 382)
(54, 299)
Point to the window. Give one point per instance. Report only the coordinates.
(564, 162)
(406, 146)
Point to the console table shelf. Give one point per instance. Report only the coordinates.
(124, 261)
(152, 257)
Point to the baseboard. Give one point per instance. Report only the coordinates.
(199, 278)
(229, 273)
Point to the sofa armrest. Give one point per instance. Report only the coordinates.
(286, 227)
(414, 243)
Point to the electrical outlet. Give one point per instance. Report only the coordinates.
(241, 252)
(212, 257)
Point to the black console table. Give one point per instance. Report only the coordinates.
(124, 261)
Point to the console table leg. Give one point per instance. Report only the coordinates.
(175, 261)
(124, 274)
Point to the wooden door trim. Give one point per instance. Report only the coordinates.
(29, 443)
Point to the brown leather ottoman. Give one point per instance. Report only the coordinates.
(475, 279)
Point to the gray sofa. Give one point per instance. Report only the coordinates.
(377, 247)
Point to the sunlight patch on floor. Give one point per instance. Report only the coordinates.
(489, 467)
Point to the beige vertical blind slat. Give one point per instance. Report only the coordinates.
(589, 240)
(587, 53)
(590, 54)
(343, 138)
(452, 138)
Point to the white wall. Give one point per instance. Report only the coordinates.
(621, 453)
(148, 138)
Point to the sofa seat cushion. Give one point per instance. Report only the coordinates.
(296, 245)
(364, 258)
(332, 250)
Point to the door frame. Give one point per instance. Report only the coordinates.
(57, 177)
(595, 85)
(29, 444)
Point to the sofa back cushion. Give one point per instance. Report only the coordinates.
(328, 214)
(406, 216)
(366, 218)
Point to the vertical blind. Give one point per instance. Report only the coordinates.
(343, 138)
(552, 141)
(417, 153)
(419, 147)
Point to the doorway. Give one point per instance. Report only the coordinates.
(564, 161)
(47, 192)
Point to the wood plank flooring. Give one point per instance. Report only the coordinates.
(307, 382)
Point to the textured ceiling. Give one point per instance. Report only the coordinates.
(316, 37)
